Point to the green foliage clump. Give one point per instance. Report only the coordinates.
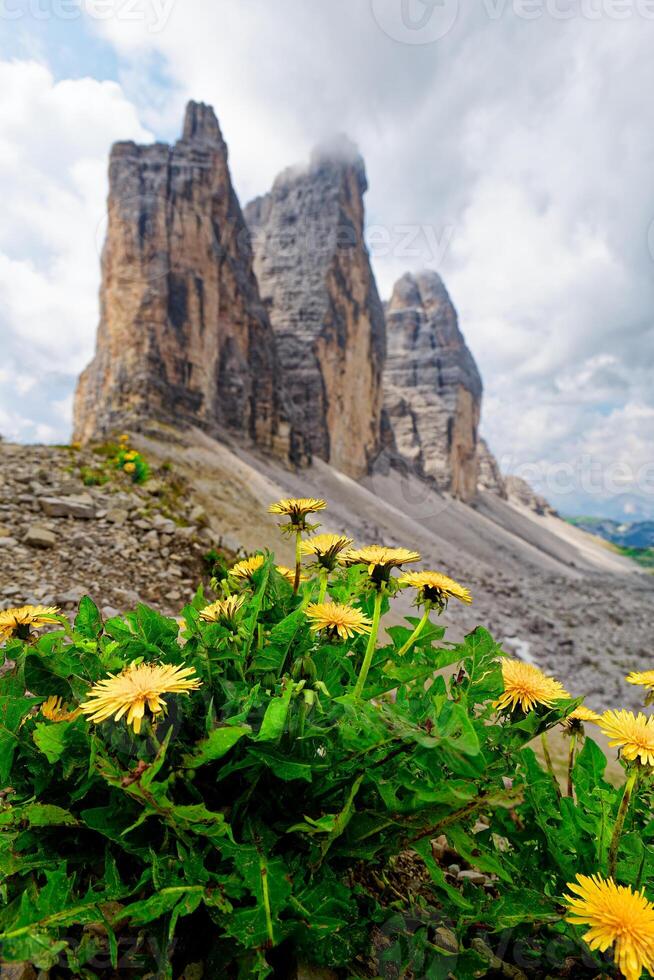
(273, 816)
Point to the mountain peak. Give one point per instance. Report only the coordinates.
(201, 124)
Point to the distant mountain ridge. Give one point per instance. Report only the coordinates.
(638, 534)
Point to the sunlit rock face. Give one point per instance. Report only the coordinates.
(316, 280)
(183, 336)
(432, 388)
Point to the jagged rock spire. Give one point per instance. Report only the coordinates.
(183, 335)
(315, 277)
(432, 388)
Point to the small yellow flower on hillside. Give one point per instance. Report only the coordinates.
(326, 549)
(54, 710)
(224, 611)
(434, 588)
(632, 734)
(244, 570)
(380, 561)
(132, 454)
(123, 438)
(616, 915)
(527, 686)
(130, 468)
(338, 619)
(18, 621)
(135, 688)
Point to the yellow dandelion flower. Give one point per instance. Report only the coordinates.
(54, 710)
(19, 620)
(643, 679)
(527, 686)
(632, 734)
(338, 619)
(135, 688)
(582, 713)
(297, 508)
(380, 560)
(245, 569)
(289, 574)
(224, 611)
(130, 467)
(326, 548)
(616, 916)
(435, 587)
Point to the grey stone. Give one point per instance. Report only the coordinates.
(117, 516)
(199, 516)
(40, 537)
(80, 507)
(474, 877)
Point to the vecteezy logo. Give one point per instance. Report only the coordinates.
(415, 21)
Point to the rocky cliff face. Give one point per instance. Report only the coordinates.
(183, 335)
(315, 278)
(520, 492)
(432, 388)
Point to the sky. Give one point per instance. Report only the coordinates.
(508, 143)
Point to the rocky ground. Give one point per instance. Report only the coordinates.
(119, 543)
(549, 593)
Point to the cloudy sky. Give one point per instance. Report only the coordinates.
(509, 144)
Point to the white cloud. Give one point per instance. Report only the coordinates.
(54, 142)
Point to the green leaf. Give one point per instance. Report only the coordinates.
(165, 900)
(218, 744)
(423, 848)
(274, 653)
(274, 720)
(37, 815)
(88, 621)
(12, 712)
(52, 738)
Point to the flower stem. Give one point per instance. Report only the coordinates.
(571, 761)
(416, 633)
(548, 762)
(324, 574)
(298, 559)
(619, 822)
(372, 640)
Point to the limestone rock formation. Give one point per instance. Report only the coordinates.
(315, 277)
(432, 388)
(520, 492)
(489, 474)
(183, 335)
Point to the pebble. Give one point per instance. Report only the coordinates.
(40, 537)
